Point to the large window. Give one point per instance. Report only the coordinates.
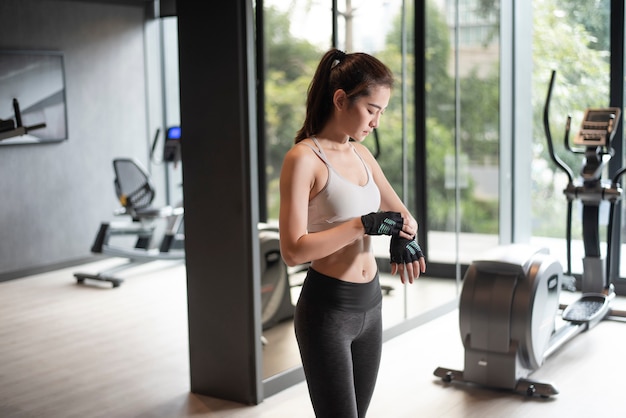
(573, 39)
(462, 125)
(295, 36)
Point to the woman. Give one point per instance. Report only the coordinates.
(333, 196)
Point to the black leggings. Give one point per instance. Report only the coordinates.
(339, 331)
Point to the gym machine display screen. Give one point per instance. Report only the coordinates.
(597, 127)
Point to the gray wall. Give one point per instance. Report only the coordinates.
(54, 196)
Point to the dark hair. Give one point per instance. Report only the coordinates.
(354, 73)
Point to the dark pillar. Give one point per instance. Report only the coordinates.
(618, 15)
(221, 198)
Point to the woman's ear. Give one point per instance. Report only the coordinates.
(340, 99)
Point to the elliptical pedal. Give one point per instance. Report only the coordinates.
(589, 308)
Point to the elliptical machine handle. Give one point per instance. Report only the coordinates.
(546, 126)
(562, 166)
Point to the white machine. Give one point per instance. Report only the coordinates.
(510, 298)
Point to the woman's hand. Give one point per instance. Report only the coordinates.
(409, 227)
(382, 223)
(407, 258)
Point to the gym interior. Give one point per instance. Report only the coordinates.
(168, 298)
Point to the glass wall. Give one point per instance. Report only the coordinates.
(295, 36)
(573, 39)
(462, 125)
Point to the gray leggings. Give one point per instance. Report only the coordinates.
(338, 326)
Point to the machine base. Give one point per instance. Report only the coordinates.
(525, 387)
(81, 277)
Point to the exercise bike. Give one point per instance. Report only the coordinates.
(142, 222)
(136, 192)
(510, 299)
(139, 238)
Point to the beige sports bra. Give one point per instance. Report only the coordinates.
(340, 200)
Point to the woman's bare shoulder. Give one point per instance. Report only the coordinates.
(299, 159)
(301, 151)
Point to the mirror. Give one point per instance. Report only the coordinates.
(32, 97)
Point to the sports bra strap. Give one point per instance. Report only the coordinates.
(318, 150)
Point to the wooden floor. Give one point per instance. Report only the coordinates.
(89, 351)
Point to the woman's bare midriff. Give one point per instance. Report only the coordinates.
(353, 263)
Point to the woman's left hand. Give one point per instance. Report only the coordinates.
(409, 271)
(407, 258)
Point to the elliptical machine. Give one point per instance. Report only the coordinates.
(510, 298)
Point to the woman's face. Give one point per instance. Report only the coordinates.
(360, 117)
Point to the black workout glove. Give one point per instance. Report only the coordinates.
(382, 223)
(404, 251)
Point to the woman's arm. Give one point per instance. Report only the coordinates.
(297, 179)
(390, 201)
